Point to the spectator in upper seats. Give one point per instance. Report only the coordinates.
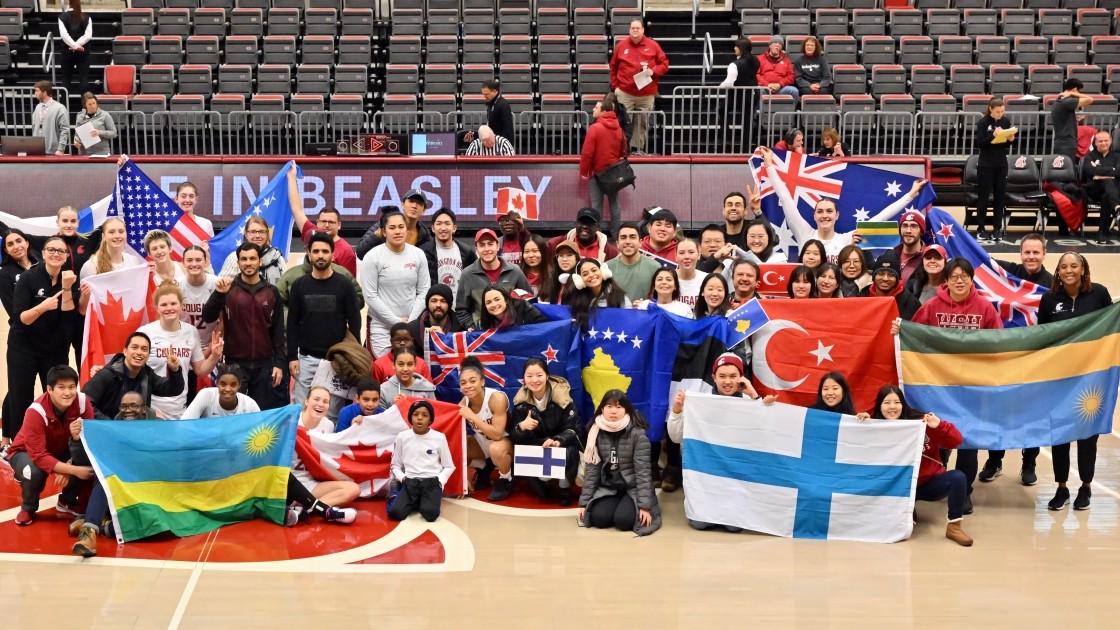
(911, 227)
(775, 70)
(1063, 116)
(635, 55)
(489, 143)
(512, 236)
(50, 120)
(1099, 171)
(604, 146)
(489, 269)
(991, 168)
(328, 222)
(831, 146)
(271, 263)
(827, 278)
(499, 116)
(394, 281)
(814, 74)
(586, 235)
(762, 241)
(594, 289)
(535, 262)
(1032, 256)
(500, 311)
(103, 127)
(446, 257)
(792, 140)
(885, 282)
(802, 283)
(1085, 135)
(929, 277)
(741, 104)
(75, 28)
(413, 206)
(631, 270)
(662, 238)
(854, 276)
(437, 317)
(812, 254)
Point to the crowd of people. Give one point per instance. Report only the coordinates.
(254, 336)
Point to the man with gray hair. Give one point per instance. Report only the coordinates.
(50, 120)
(488, 143)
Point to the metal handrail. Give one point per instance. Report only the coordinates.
(47, 57)
(708, 58)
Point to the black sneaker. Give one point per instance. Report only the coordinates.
(967, 507)
(540, 488)
(566, 496)
(501, 490)
(482, 478)
(1027, 476)
(1082, 500)
(1060, 500)
(991, 471)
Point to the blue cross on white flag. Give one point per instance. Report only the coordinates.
(539, 461)
(796, 472)
(271, 204)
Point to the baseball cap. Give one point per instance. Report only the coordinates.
(935, 248)
(485, 233)
(589, 214)
(416, 192)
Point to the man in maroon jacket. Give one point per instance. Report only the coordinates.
(775, 70)
(42, 446)
(637, 55)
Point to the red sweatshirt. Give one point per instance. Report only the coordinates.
(669, 252)
(974, 313)
(45, 437)
(604, 145)
(772, 70)
(627, 61)
(944, 436)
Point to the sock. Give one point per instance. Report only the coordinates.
(545, 479)
(319, 508)
(508, 475)
(955, 520)
(564, 483)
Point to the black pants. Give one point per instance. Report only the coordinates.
(258, 384)
(423, 495)
(1107, 193)
(672, 453)
(616, 511)
(966, 463)
(1086, 460)
(71, 63)
(33, 479)
(991, 180)
(1030, 455)
(23, 366)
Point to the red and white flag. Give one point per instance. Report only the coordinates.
(119, 303)
(773, 279)
(515, 199)
(364, 452)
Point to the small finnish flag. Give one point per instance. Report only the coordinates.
(538, 461)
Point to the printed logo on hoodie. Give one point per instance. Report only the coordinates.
(966, 321)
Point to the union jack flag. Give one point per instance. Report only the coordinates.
(143, 206)
(808, 181)
(448, 357)
(1015, 299)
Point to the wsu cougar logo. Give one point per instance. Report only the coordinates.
(1021, 162)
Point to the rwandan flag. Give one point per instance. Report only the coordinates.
(193, 476)
(1017, 387)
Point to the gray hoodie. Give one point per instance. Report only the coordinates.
(420, 388)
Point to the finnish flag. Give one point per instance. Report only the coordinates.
(796, 472)
(538, 461)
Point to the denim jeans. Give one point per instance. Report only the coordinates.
(951, 484)
(597, 195)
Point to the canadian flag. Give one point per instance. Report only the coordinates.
(119, 303)
(364, 452)
(515, 199)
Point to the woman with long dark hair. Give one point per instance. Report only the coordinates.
(535, 263)
(500, 311)
(929, 276)
(828, 281)
(802, 283)
(594, 289)
(812, 254)
(544, 414)
(18, 259)
(557, 283)
(763, 242)
(835, 395)
(715, 298)
(75, 28)
(665, 292)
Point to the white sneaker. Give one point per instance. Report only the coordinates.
(340, 515)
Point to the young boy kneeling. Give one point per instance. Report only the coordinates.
(421, 466)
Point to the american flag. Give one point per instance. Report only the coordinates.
(145, 207)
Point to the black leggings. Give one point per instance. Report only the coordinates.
(991, 181)
(23, 367)
(1086, 460)
(614, 511)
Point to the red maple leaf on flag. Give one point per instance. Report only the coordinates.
(116, 324)
(518, 202)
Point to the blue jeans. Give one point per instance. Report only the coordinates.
(97, 510)
(791, 90)
(951, 484)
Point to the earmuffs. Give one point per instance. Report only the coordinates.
(577, 280)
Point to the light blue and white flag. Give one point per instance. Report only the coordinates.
(88, 219)
(538, 461)
(92, 216)
(272, 204)
(796, 472)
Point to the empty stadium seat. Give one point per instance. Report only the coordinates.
(975, 103)
(952, 50)
(347, 103)
(267, 103)
(351, 79)
(887, 79)
(319, 49)
(196, 79)
(869, 22)
(165, 49)
(203, 49)
(120, 80)
(244, 21)
(1105, 50)
(173, 22)
(553, 49)
(130, 49)
(404, 48)
(1045, 79)
(474, 74)
(516, 77)
(401, 78)
(242, 49)
(1030, 50)
(235, 79)
(157, 79)
(478, 21)
(515, 49)
(404, 21)
(357, 21)
(149, 105)
(980, 22)
(830, 22)
(401, 103)
(1053, 22)
(300, 103)
(551, 21)
(138, 22)
(914, 50)
(228, 5)
(555, 78)
(593, 79)
(927, 79)
(1006, 79)
(113, 104)
(441, 78)
(478, 49)
(898, 103)
(321, 21)
(943, 22)
(1068, 50)
(856, 104)
(841, 49)
(849, 79)
(313, 79)
(1093, 21)
(274, 79)
(1091, 75)
(992, 49)
(224, 104)
(794, 22)
(965, 80)
(776, 113)
(877, 49)
(515, 21)
(442, 49)
(756, 22)
(279, 49)
(819, 112)
(210, 21)
(1015, 22)
(443, 22)
(1112, 78)
(589, 21)
(621, 18)
(905, 22)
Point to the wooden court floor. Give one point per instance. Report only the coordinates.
(524, 564)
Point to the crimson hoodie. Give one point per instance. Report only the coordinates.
(772, 70)
(627, 61)
(669, 252)
(45, 437)
(944, 436)
(974, 313)
(604, 145)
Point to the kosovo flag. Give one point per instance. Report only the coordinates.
(273, 205)
(503, 355)
(1017, 387)
(193, 476)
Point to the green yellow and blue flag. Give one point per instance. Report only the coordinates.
(193, 476)
(1017, 387)
(877, 234)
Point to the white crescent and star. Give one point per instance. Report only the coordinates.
(762, 369)
(767, 280)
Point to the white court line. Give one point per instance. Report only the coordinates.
(494, 508)
(1096, 485)
(188, 590)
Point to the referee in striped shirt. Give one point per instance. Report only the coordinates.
(489, 144)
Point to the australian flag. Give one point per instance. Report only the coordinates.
(808, 179)
(145, 207)
(271, 204)
(1015, 300)
(503, 355)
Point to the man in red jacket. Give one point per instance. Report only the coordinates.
(604, 145)
(42, 446)
(634, 56)
(775, 70)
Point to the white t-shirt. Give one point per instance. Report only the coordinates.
(179, 276)
(675, 307)
(194, 298)
(187, 348)
(90, 268)
(449, 267)
(690, 289)
(206, 224)
(206, 405)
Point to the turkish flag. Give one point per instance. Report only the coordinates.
(807, 339)
(364, 452)
(517, 200)
(773, 279)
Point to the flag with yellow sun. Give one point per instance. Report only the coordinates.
(192, 476)
(1017, 387)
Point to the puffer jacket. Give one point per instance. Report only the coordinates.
(559, 421)
(633, 461)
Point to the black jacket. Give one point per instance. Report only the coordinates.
(991, 155)
(106, 388)
(746, 68)
(499, 117)
(466, 254)
(559, 421)
(419, 328)
(1041, 277)
(1056, 306)
(1094, 164)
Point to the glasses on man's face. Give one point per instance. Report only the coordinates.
(959, 278)
(328, 221)
(257, 232)
(136, 406)
(55, 250)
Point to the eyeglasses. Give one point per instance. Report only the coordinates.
(55, 250)
(854, 261)
(959, 278)
(328, 222)
(131, 406)
(256, 232)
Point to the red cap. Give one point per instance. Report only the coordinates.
(485, 233)
(935, 248)
(914, 216)
(728, 358)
